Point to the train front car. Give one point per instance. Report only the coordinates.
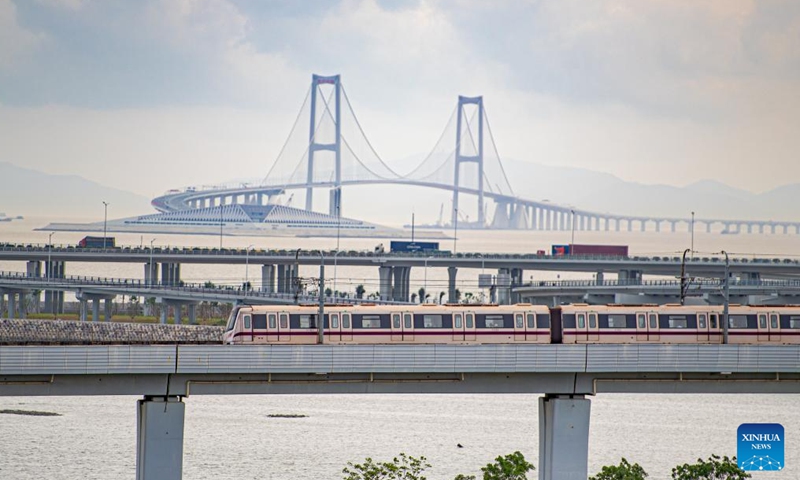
(234, 329)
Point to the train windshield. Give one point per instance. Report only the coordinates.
(232, 319)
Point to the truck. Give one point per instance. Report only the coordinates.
(97, 242)
(587, 249)
(413, 247)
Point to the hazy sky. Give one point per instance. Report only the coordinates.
(154, 94)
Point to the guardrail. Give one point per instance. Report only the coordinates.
(114, 285)
(329, 254)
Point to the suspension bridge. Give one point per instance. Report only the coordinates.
(334, 152)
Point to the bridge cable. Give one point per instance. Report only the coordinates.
(286, 143)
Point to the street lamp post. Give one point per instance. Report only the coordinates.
(105, 221)
(335, 255)
(572, 241)
(684, 283)
(246, 269)
(321, 319)
(727, 293)
(455, 230)
(692, 228)
(49, 265)
(150, 268)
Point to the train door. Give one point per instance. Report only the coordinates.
(519, 326)
(593, 327)
(272, 327)
(713, 328)
(763, 328)
(347, 327)
(408, 327)
(774, 327)
(458, 327)
(530, 327)
(397, 327)
(334, 327)
(702, 328)
(653, 330)
(247, 328)
(284, 327)
(641, 327)
(581, 327)
(469, 326)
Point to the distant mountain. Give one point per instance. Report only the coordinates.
(30, 192)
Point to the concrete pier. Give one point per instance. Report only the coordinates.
(159, 438)
(564, 437)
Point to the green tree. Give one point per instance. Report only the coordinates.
(402, 467)
(715, 468)
(509, 467)
(623, 471)
(360, 290)
(422, 296)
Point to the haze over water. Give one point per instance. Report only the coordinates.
(232, 437)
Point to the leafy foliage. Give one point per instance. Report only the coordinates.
(623, 471)
(509, 467)
(715, 468)
(400, 468)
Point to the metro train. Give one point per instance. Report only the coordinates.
(520, 323)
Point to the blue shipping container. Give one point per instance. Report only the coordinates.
(397, 246)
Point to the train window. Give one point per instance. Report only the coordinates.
(308, 321)
(335, 320)
(395, 320)
(457, 320)
(407, 320)
(494, 321)
(592, 320)
(284, 320)
(762, 321)
(794, 322)
(617, 321)
(773, 321)
(519, 321)
(432, 321)
(641, 321)
(370, 321)
(470, 320)
(247, 322)
(531, 320)
(702, 320)
(272, 321)
(232, 320)
(260, 322)
(713, 320)
(737, 321)
(678, 321)
(581, 320)
(653, 320)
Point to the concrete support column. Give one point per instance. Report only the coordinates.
(268, 278)
(107, 309)
(12, 305)
(401, 290)
(192, 312)
(503, 286)
(84, 308)
(176, 313)
(159, 438)
(2, 303)
(385, 282)
(151, 273)
(599, 278)
(516, 279)
(451, 284)
(164, 313)
(564, 437)
(95, 309)
(281, 278)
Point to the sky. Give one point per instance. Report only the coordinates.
(157, 94)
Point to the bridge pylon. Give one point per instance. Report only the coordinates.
(477, 158)
(335, 147)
